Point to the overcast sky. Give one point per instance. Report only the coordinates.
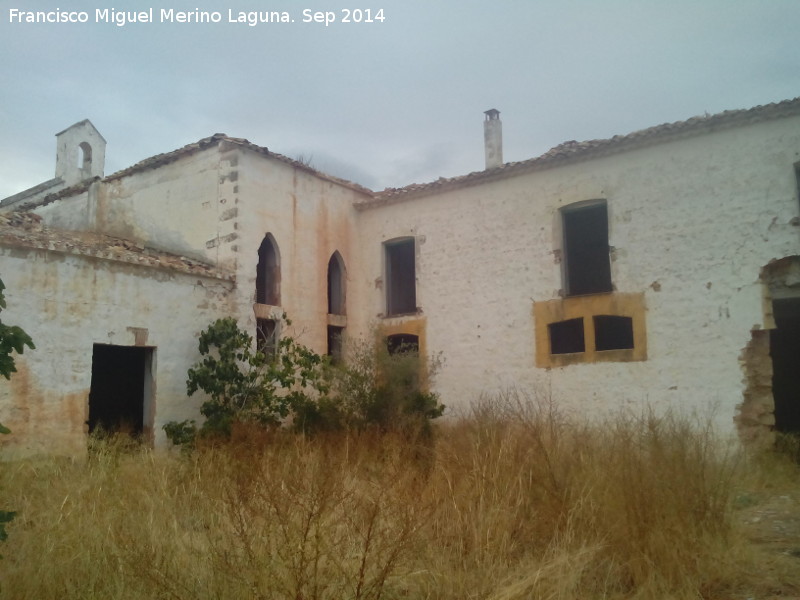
(384, 103)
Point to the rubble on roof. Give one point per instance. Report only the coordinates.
(25, 230)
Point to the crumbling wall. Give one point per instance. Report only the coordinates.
(755, 416)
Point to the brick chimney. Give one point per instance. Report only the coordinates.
(493, 138)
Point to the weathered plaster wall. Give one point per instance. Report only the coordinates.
(67, 303)
(176, 207)
(691, 223)
(310, 219)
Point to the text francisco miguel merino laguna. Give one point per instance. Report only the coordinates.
(170, 15)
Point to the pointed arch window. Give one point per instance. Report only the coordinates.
(336, 285)
(268, 274)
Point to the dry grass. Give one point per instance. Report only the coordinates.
(513, 502)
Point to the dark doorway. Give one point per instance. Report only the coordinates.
(120, 399)
(785, 351)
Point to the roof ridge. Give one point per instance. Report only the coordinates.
(573, 150)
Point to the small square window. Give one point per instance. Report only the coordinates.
(566, 337)
(613, 332)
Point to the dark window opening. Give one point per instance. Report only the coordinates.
(336, 285)
(120, 389)
(587, 264)
(401, 343)
(401, 278)
(797, 179)
(335, 343)
(268, 274)
(566, 337)
(612, 332)
(785, 351)
(267, 336)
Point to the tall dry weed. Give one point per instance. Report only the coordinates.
(514, 500)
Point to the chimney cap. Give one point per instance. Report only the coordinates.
(492, 113)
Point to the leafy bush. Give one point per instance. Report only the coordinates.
(12, 339)
(247, 386)
(375, 388)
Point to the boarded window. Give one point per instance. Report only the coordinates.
(336, 285)
(612, 332)
(400, 343)
(401, 278)
(587, 265)
(566, 337)
(268, 274)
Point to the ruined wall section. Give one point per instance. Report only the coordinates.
(310, 218)
(691, 223)
(69, 302)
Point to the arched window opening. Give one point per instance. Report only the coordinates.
(336, 285)
(85, 158)
(268, 274)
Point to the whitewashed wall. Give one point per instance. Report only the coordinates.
(67, 303)
(691, 223)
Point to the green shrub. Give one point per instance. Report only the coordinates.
(246, 385)
(294, 384)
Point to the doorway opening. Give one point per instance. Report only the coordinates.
(121, 394)
(784, 348)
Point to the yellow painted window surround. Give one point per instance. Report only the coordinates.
(586, 308)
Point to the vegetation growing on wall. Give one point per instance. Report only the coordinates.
(296, 386)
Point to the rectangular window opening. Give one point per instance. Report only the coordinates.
(612, 332)
(267, 336)
(335, 345)
(797, 179)
(587, 265)
(566, 337)
(401, 277)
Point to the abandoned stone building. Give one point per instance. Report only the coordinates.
(659, 268)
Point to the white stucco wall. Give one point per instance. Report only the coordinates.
(691, 223)
(310, 218)
(67, 303)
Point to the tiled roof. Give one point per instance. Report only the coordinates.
(168, 157)
(24, 230)
(573, 151)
